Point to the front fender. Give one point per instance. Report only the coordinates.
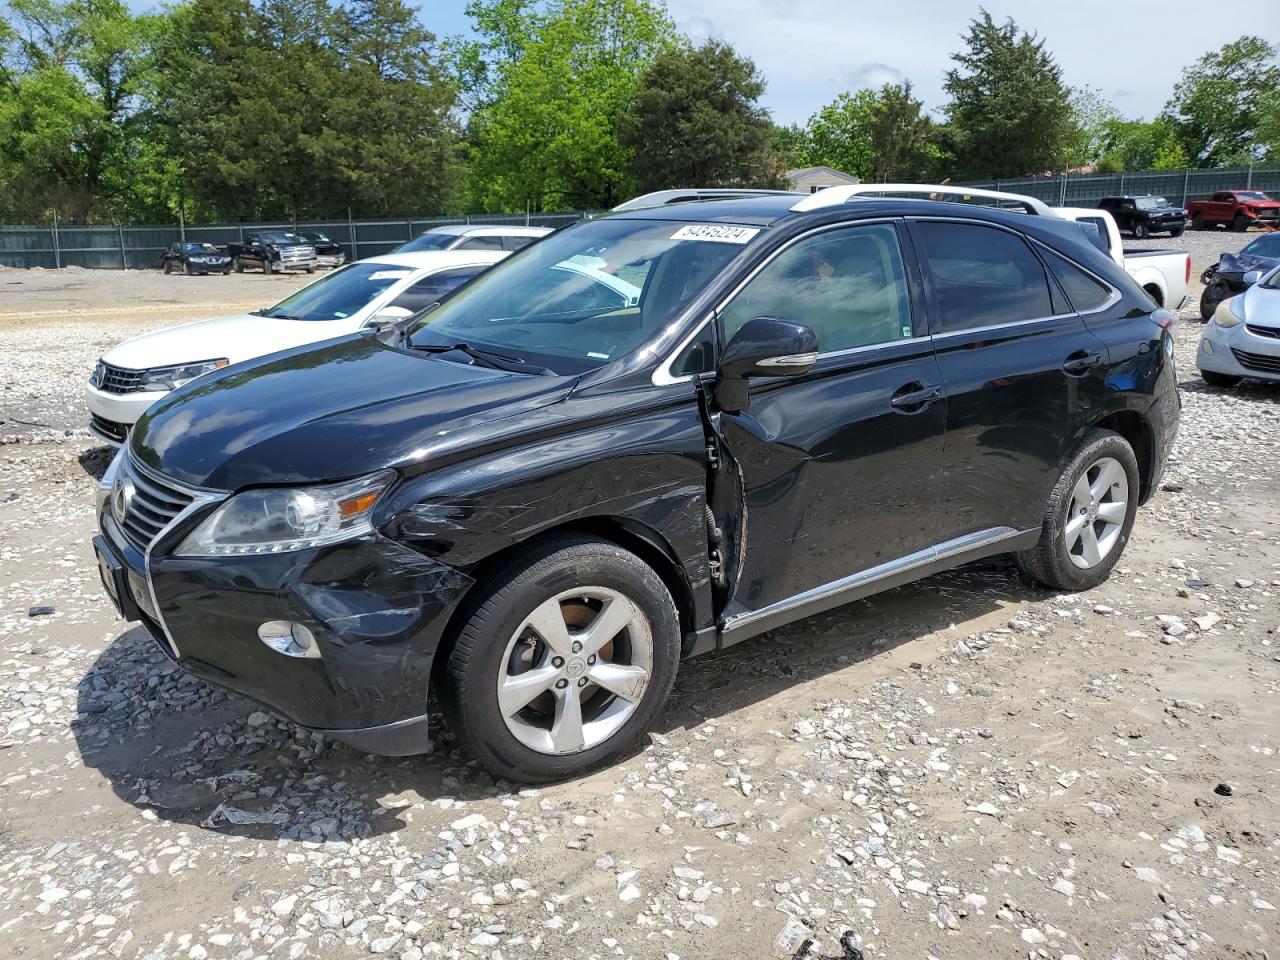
(646, 470)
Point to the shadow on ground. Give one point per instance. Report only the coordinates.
(194, 754)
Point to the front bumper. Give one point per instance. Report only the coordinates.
(112, 414)
(376, 608)
(1239, 352)
(331, 259)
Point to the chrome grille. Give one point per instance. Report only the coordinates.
(1257, 361)
(144, 504)
(120, 379)
(292, 254)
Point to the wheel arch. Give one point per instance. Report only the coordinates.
(631, 535)
(1138, 432)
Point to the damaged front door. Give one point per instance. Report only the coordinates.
(835, 466)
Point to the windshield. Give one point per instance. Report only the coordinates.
(282, 238)
(1151, 203)
(315, 238)
(1252, 195)
(428, 241)
(340, 294)
(1267, 245)
(1271, 281)
(199, 248)
(587, 295)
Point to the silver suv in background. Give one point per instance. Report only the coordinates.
(462, 236)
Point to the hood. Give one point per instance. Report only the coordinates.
(241, 336)
(342, 409)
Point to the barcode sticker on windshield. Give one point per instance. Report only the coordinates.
(715, 233)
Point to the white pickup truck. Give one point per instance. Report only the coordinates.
(1164, 274)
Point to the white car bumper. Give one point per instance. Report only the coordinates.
(1240, 351)
(112, 414)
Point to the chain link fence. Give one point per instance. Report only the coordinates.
(1179, 186)
(116, 246)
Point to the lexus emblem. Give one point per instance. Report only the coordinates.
(122, 500)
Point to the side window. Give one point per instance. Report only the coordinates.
(1221, 197)
(430, 289)
(1084, 292)
(480, 243)
(1099, 236)
(516, 243)
(982, 276)
(696, 357)
(848, 284)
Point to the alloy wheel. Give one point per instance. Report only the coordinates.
(575, 670)
(1095, 519)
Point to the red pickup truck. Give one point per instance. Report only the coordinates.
(1238, 209)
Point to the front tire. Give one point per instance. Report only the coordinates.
(267, 266)
(237, 266)
(564, 662)
(1176, 232)
(1220, 379)
(1090, 514)
(1140, 231)
(1214, 293)
(1197, 222)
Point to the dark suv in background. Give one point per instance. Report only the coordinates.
(1145, 215)
(648, 436)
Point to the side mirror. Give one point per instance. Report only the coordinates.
(389, 315)
(1252, 277)
(763, 347)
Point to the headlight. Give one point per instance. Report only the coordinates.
(169, 378)
(288, 518)
(1229, 312)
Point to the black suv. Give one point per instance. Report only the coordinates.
(1145, 215)
(648, 436)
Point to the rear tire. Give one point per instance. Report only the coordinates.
(1240, 223)
(1090, 514)
(1197, 222)
(186, 269)
(167, 267)
(267, 266)
(531, 621)
(1140, 231)
(1220, 379)
(237, 266)
(1176, 232)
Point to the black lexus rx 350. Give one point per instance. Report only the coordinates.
(649, 436)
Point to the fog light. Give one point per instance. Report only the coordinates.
(291, 639)
(1207, 347)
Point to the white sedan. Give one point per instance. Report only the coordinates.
(133, 375)
(1243, 338)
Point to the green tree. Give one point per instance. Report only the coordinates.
(1010, 112)
(694, 120)
(1221, 101)
(285, 108)
(544, 135)
(1092, 117)
(876, 135)
(1269, 126)
(1140, 145)
(70, 71)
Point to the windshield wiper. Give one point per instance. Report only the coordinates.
(485, 358)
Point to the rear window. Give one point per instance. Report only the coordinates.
(982, 276)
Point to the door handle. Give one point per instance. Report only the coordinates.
(914, 397)
(1081, 362)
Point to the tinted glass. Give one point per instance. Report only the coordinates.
(480, 243)
(849, 285)
(428, 241)
(589, 294)
(340, 294)
(517, 243)
(1084, 292)
(284, 239)
(430, 289)
(1267, 245)
(982, 276)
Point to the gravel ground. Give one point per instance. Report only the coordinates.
(962, 768)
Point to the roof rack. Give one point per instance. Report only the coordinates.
(660, 198)
(834, 196)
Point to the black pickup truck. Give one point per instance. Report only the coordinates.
(1145, 215)
(271, 251)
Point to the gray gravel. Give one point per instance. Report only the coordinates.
(966, 767)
